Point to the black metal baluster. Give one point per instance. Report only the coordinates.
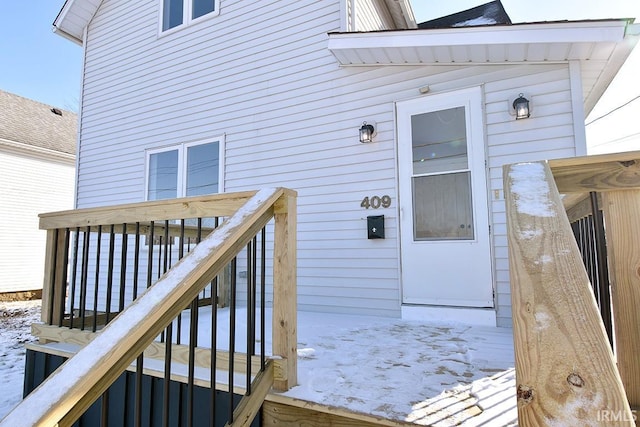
(193, 343)
(96, 282)
(138, 392)
(126, 410)
(162, 267)
(263, 296)
(136, 262)
(214, 353)
(603, 267)
(74, 277)
(254, 291)
(152, 402)
(592, 256)
(167, 375)
(180, 255)
(248, 331)
(150, 258)
(123, 267)
(84, 278)
(160, 248)
(104, 409)
(110, 272)
(232, 336)
(165, 265)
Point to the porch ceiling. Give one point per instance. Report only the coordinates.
(601, 47)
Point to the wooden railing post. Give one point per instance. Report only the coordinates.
(285, 324)
(565, 370)
(622, 218)
(54, 286)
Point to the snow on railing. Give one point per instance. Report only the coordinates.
(145, 318)
(566, 372)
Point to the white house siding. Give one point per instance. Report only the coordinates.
(372, 15)
(31, 185)
(549, 133)
(291, 117)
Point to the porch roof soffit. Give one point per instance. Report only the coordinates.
(74, 16)
(601, 47)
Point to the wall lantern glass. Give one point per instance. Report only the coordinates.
(521, 107)
(366, 132)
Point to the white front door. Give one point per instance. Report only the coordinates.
(444, 218)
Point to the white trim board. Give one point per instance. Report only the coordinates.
(462, 315)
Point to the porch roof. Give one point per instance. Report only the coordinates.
(600, 46)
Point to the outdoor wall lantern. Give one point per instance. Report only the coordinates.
(521, 107)
(367, 132)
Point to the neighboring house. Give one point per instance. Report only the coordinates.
(185, 98)
(37, 154)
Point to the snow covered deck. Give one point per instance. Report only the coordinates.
(407, 371)
(390, 371)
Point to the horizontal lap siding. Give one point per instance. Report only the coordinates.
(547, 134)
(287, 110)
(30, 186)
(372, 15)
(290, 116)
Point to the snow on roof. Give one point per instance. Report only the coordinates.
(491, 13)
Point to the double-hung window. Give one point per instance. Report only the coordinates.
(179, 12)
(189, 169)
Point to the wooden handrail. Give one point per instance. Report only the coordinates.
(565, 370)
(224, 204)
(605, 172)
(62, 398)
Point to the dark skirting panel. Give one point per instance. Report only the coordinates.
(121, 398)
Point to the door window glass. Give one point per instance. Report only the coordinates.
(441, 181)
(439, 141)
(442, 207)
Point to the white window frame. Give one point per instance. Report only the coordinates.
(182, 164)
(187, 8)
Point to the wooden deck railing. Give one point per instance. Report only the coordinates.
(566, 372)
(587, 222)
(125, 308)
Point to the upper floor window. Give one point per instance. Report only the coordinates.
(178, 12)
(185, 170)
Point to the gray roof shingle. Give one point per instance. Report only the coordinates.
(30, 122)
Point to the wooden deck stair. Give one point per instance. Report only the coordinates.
(71, 390)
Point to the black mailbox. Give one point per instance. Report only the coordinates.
(375, 227)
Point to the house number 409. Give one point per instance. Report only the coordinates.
(376, 202)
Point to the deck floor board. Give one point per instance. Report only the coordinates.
(426, 373)
(406, 372)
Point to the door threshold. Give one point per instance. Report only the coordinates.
(463, 315)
